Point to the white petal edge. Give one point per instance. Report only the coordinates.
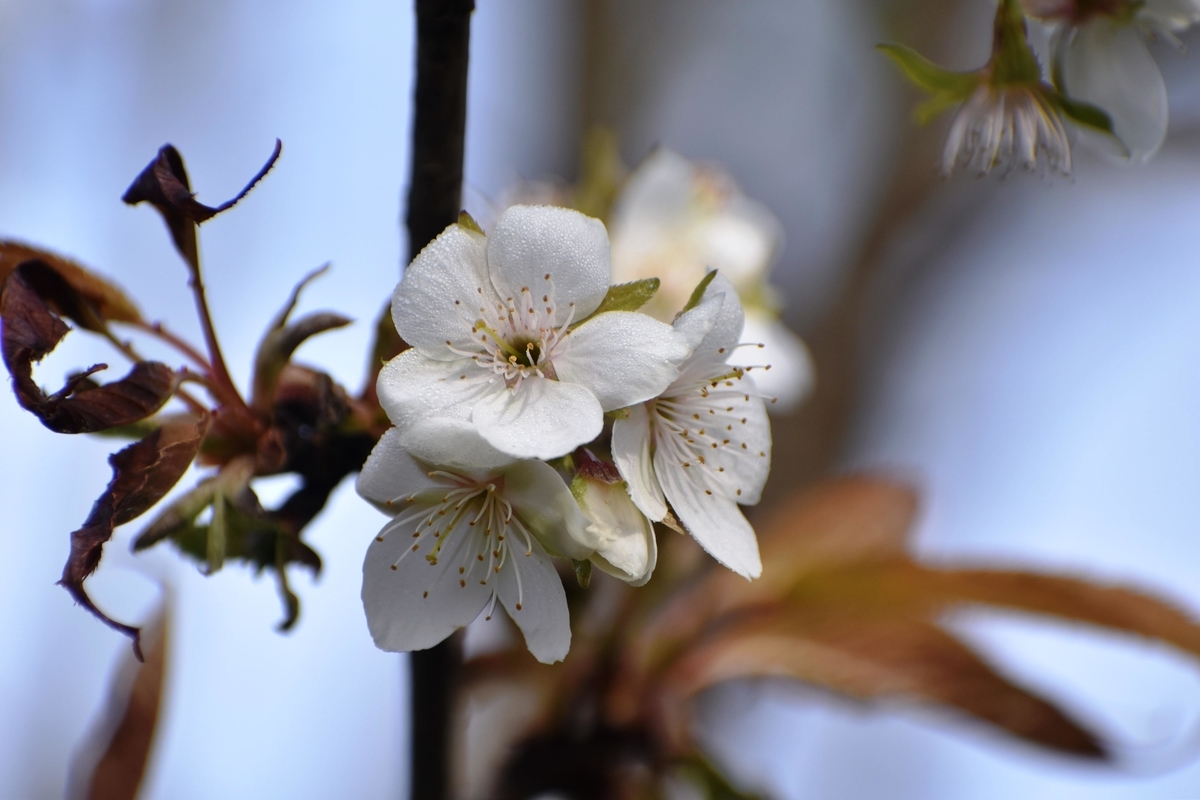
(541, 418)
(792, 375)
(445, 442)
(399, 614)
(439, 296)
(412, 388)
(632, 455)
(622, 358)
(726, 331)
(543, 503)
(714, 521)
(542, 616)
(531, 242)
(391, 473)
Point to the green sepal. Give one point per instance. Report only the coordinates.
(1085, 114)
(628, 296)
(953, 86)
(578, 489)
(583, 573)
(617, 413)
(698, 292)
(465, 220)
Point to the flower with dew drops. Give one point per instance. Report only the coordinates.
(1008, 115)
(504, 337)
(1100, 51)
(704, 445)
(676, 220)
(470, 530)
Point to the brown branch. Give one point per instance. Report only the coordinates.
(434, 197)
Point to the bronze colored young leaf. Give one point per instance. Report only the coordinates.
(896, 660)
(104, 300)
(143, 473)
(32, 330)
(113, 765)
(281, 340)
(164, 184)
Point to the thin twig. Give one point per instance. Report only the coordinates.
(434, 198)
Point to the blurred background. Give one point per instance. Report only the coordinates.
(1026, 351)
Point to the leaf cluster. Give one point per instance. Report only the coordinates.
(842, 606)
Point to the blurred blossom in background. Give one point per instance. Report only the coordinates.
(1030, 359)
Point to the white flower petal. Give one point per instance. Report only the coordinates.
(541, 418)
(533, 596)
(1108, 65)
(713, 520)
(741, 462)
(400, 615)
(656, 197)
(627, 548)
(631, 453)
(531, 242)
(694, 325)
(444, 442)
(741, 241)
(726, 330)
(622, 357)
(412, 388)
(791, 376)
(391, 474)
(544, 504)
(443, 292)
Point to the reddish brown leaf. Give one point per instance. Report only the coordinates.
(1070, 599)
(100, 299)
(32, 330)
(112, 765)
(143, 473)
(281, 340)
(875, 660)
(845, 521)
(164, 184)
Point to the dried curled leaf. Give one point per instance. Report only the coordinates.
(112, 764)
(899, 660)
(164, 184)
(98, 299)
(143, 473)
(32, 330)
(843, 606)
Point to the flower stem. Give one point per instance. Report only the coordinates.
(434, 199)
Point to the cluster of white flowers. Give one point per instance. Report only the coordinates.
(538, 415)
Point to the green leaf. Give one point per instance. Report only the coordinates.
(698, 292)
(956, 86)
(1086, 114)
(628, 296)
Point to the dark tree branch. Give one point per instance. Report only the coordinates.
(434, 200)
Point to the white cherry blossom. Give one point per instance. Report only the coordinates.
(494, 324)
(676, 220)
(470, 531)
(1004, 127)
(704, 446)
